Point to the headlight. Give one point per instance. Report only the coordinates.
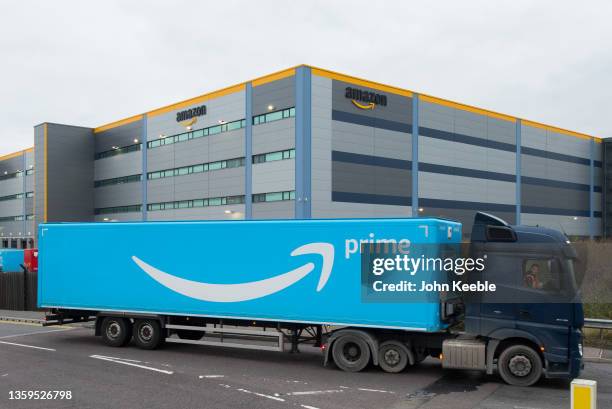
(580, 348)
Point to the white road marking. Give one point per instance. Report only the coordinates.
(308, 407)
(314, 392)
(225, 385)
(374, 390)
(34, 333)
(211, 376)
(5, 374)
(124, 362)
(27, 346)
(343, 387)
(261, 394)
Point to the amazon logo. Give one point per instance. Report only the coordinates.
(189, 117)
(249, 290)
(365, 99)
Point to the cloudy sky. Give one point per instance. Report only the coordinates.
(90, 63)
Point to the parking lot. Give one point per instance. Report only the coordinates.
(34, 358)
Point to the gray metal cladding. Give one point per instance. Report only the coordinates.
(39, 178)
(553, 197)
(274, 210)
(277, 176)
(123, 135)
(117, 195)
(274, 136)
(279, 94)
(11, 165)
(70, 173)
(118, 165)
(369, 179)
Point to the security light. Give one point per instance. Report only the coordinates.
(228, 211)
(135, 140)
(270, 107)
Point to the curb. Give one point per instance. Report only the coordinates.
(24, 320)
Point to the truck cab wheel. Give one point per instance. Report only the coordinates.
(116, 332)
(148, 334)
(393, 356)
(520, 365)
(351, 353)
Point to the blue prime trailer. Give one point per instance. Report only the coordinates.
(257, 284)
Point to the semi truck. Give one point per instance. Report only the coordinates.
(278, 284)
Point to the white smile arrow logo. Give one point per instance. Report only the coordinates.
(250, 290)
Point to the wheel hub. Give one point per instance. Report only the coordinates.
(392, 357)
(146, 332)
(352, 352)
(520, 365)
(113, 330)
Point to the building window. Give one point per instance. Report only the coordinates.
(16, 196)
(119, 209)
(11, 175)
(192, 203)
(211, 130)
(274, 116)
(117, 181)
(274, 156)
(199, 168)
(30, 172)
(118, 151)
(11, 218)
(30, 217)
(273, 196)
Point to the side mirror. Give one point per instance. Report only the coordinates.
(500, 233)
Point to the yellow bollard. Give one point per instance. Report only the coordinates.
(584, 394)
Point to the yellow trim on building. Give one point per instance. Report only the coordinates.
(279, 75)
(118, 123)
(341, 77)
(465, 107)
(46, 187)
(560, 130)
(197, 100)
(15, 154)
(359, 81)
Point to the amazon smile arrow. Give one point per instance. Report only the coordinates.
(249, 290)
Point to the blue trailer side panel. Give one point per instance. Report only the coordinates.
(306, 271)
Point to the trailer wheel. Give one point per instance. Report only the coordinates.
(116, 332)
(520, 365)
(393, 356)
(148, 333)
(351, 353)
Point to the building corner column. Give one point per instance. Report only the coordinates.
(144, 179)
(303, 139)
(415, 155)
(248, 152)
(592, 190)
(518, 134)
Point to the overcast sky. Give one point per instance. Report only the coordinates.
(89, 63)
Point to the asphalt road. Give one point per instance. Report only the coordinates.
(185, 376)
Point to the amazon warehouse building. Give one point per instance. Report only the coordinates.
(308, 143)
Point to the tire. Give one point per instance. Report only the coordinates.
(189, 334)
(351, 353)
(519, 365)
(116, 332)
(148, 334)
(393, 356)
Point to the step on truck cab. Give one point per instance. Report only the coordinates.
(277, 284)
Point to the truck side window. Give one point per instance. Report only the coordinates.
(541, 274)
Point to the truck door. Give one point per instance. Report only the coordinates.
(544, 311)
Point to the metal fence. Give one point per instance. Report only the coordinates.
(18, 291)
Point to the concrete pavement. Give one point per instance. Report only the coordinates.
(72, 359)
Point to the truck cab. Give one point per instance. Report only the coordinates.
(532, 323)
